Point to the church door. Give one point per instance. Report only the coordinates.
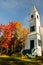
(31, 44)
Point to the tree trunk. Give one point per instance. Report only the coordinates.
(1, 50)
(12, 49)
(7, 50)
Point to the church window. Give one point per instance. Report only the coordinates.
(39, 42)
(32, 28)
(37, 16)
(32, 16)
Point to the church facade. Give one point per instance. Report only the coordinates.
(34, 40)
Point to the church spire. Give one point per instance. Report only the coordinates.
(34, 8)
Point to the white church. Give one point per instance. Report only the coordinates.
(34, 40)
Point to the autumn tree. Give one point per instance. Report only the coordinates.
(13, 37)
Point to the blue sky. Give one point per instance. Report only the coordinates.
(18, 10)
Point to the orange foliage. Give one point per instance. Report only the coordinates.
(18, 25)
(24, 31)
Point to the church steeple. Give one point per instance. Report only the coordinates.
(34, 13)
(34, 20)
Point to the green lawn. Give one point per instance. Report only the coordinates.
(14, 60)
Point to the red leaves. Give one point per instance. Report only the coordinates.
(5, 45)
(8, 31)
(12, 26)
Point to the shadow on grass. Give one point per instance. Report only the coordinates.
(16, 62)
(4, 62)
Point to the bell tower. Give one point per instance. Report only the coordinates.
(33, 41)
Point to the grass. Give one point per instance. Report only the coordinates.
(15, 60)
